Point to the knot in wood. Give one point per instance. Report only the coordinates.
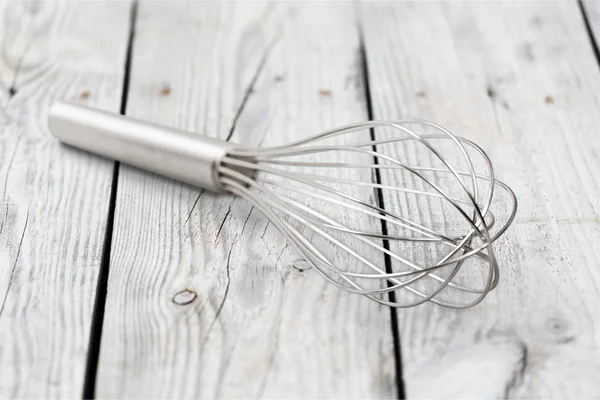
(184, 297)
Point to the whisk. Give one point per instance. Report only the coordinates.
(388, 216)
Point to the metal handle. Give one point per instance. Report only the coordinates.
(176, 154)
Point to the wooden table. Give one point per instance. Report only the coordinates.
(125, 284)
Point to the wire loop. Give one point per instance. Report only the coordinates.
(377, 241)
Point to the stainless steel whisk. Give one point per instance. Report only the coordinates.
(350, 207)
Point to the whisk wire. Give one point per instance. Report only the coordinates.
(272, 181)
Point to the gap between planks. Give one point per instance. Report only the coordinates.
(384, 229)
(93, 356)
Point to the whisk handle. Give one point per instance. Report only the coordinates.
(185, 156)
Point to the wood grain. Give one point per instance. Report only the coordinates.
(521, 80)
(203, 299)
(53, 199)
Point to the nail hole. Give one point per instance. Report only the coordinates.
(165, 90)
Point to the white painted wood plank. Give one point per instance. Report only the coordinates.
(203, 300)
(53, 199)
(521, 80)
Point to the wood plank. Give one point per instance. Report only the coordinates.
(521, 80)
(203, 300)
(53, 199)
